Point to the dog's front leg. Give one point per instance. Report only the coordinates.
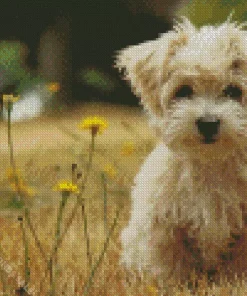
(135, 238)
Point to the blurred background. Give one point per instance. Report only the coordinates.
(58, 53)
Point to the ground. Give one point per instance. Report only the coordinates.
(86, 262)
(44, 150)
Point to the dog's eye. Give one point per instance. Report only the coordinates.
(184, 91)
(233, 92)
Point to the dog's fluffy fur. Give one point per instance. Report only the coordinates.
(189, 198)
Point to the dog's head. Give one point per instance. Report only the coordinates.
(193, 82)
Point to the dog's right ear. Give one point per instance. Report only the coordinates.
(145, 66)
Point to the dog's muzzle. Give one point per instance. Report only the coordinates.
(208, 127)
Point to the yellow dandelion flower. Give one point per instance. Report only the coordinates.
(53, 87)
(152, 291)
(127, 148)
(10, 172)
(110, 171)
(10, 98)
(11, 175)
(18, 184)
(22, 188)
(95, 124)
(66, 186)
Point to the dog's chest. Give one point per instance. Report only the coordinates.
(210, 179)
(203, 194)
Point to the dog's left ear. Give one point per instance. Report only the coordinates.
(145, 66)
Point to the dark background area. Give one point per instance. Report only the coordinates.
(97, 29)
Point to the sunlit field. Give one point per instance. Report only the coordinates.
(65, 197)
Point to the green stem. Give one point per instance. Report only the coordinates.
(11, 150)
(63, 202)
(86, 233)
(90, 160)
(105, 202)
(25, 244)
(81, 201)
(101, 256)
(9, 134)
(53, 259)
(32, 230)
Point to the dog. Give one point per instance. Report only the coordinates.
(189, 198)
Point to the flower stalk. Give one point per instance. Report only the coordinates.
(96, 126)
(8, 100)
(53, 259)
(101, 256)
(26, 256)
(105, 201)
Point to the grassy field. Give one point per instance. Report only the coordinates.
(72, 248)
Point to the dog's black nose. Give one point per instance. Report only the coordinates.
(208, 127)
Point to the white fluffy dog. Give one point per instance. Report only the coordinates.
(189, 199)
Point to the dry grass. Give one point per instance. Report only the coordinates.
(45, 150)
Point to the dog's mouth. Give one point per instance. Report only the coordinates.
(192, 142)
(208, 140)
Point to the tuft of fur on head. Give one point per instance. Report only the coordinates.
(208, 59)
(149, 65)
